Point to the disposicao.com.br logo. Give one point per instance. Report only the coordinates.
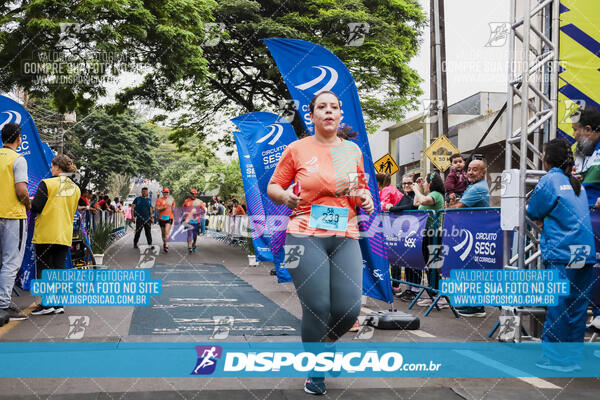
(298, 361)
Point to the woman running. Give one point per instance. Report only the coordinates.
(323, 226)
(164, 206)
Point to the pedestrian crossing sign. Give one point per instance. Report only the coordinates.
(386, 165)
(440, 151)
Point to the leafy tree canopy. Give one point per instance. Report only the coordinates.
(101, 144)
(244, 78)
(70, 48)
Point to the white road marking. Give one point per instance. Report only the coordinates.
(421, 333)
(537, 382)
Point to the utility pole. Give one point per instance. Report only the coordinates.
(438, 112)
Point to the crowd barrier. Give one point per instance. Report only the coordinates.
(92, 220)
(465, 238)
(232, 229)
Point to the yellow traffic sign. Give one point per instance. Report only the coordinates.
(386, 165)
(440, 151)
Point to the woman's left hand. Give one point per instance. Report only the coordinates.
(366, 202)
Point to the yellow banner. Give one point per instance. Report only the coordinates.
(579, 54)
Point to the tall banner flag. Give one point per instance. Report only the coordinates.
(256, 212)
(38, 168)
(267, 135)
(579, 54)
(308, 69)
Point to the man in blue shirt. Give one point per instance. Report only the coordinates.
(476, 195)
(141, 211)
(478, 192)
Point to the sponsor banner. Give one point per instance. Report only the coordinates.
(578, 85)
(509, 288)
(266, 136)
(595, 215)
(38, 167)
(308, 69)
(471, 239)
(79, 287)
(254, 202)
(404, 238)
(278, 360)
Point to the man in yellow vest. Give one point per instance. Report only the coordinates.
(14, 203)
(55, 202)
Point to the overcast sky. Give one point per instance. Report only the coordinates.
(471, 66)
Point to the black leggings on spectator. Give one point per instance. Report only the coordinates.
(49, 256)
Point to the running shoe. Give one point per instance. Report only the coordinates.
(545, 363)
(355, 327)
(190, 250)
(424, 303)
(471, 312)
(194, 249)
(315, 386)
(408, 296)
(595, 322)
(42, 310)
(443, 303)
(14, 313)
(59, 310)
(166, 248)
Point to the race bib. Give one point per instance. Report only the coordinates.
(193, 221)
(164, 217)
(330, 218)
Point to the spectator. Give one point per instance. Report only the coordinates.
(477, 193)
(411, 275)
(220, 207)
(587, 165)
(388, 194)
(83, 204)
(237, 208)
(14, 203)
(429, 195)
(407, 200)
(561, 207)
(456, 181)
(55, 203)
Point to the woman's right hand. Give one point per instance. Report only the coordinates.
(290, 199)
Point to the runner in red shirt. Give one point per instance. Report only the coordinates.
(164, 206)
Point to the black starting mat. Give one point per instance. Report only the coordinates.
(209, 300)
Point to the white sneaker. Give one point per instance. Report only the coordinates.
(424, 302)
(443, 303)
(595, 322)
(42, 310)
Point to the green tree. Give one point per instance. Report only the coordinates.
(207, 174)
(244, 78)
(101, 144)
(70, 49)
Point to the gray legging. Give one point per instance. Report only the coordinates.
(328, 280)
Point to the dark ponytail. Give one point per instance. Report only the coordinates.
(557, 153)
